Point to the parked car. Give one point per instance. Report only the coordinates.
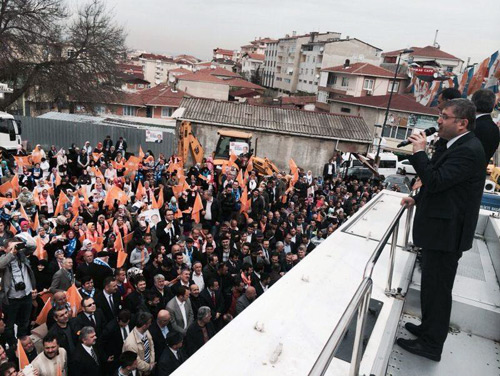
(360, 173)
(405, 167)
(399, 183)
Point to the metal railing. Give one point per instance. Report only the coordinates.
(361, 300)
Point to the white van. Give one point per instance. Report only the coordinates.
(10, 132)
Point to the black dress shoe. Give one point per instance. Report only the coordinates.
(416, 330)
(416, 347)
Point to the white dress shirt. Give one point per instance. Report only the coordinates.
(182, 307)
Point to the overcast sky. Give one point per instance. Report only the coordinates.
(195, 27)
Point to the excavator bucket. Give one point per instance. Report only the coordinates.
(187, 141)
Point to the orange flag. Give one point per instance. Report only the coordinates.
(6, 187)
(36, 222)
(42, 316)
(141, 153)
(98, 245)
(36, 155)
(232, 158)
(23, 213)
(177, 189)
(36, 198)
(83, 192)
(132, 164)
(23, 358)
(40, 251)
(63, 199)
(96, 156)
(250, 164)
(76, 204)
(197, 208)
(295, 171)
(115, 193)
(122, 255)
(240, 178)
(23, 161)
(4, 201)
(178, 214)
(12, 229)
(140, 191)
(15, 183)
(244, 200)
(159, 203)
(58, 179)
(74, 299)
(127, 238)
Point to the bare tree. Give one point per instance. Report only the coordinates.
(46, 50)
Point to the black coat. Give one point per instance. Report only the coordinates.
(112, 340)
(135, 302)
(99, 273)
(194, 337)
(447, 206)
(103, 304)
(82, 363)
(214, 208)
(82, 320)
(166, 238)
(168, 363)
(487, 132)
(206, 300)
(158, 339)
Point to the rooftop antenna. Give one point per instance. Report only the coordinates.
(436, 44)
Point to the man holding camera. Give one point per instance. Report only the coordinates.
(18, 280)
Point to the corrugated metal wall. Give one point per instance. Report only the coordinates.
(48, 132)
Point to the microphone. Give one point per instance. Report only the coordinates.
(428, 132)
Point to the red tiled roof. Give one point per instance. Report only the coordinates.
(241, 83)
(155, 57)
(262, 40)
(180, 70)
(160, 95)
(220, 76)
(363, 69)
(256, 56)
(243, 93)
(189, 58)
(427, 51)
(299, 99)
(218, 71)
(203, 75)
(223, 51)
(399, 102)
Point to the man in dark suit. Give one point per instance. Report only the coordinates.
(195, 335)
(486, 129)
(329, 170)
(99, 270)
(159, 330)
(212, 298)
(83, 269)
(173, 355)
(90, 316)
(447, 209)
(114, 335)
(168, 231)
(109, 300)
(210, 215)
(136, 300)
(87, 359)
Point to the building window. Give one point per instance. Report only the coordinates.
(129, 111)
(332, 79)
(99, 109)
(166, 111)
(345, 81)
(368, 84)
(310, 82)
(345, 110)
(287, 80)
(394, 87)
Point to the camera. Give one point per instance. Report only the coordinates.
(20, 286)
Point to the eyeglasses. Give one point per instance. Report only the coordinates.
(446, 117)
(90, 305)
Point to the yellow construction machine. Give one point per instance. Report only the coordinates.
(229, 141)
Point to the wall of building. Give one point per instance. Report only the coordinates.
(337, 52)
(204, 89)
(308, 153)
(269, 65)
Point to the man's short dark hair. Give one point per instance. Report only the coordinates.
(181, 291)
(143, 318)
(450, 93)
(211, 282)
(463, 109)
(85, 299)
(4, 368)
(484, 100)
(127, 358)
(49, 338)
(108, 280)
(85, 279)
(124, 315)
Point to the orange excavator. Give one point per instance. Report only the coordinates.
(229, 141)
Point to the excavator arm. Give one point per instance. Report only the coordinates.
(188, 142)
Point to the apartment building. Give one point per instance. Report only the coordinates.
(155, 67)
(356, 80)
(269, 64)
(257, 46)
(251, 63)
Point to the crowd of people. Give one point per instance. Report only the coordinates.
(121, 264)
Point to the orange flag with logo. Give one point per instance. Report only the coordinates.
(115, 193)
(40, 251)
(23, 358)
(140, 191)
(23, 161)
(6, 187)
(42, 316)
(197, 208)
(74, 300)
(63, 199)
(122, 255)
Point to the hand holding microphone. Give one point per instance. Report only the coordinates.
(410, 140)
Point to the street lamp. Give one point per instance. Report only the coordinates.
(407, 51)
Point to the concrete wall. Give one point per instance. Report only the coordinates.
(204, 89)
(308, 153)
(337, 52)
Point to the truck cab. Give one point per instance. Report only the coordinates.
(10, 132)
(232, 141)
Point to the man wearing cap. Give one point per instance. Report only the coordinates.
(173, 355)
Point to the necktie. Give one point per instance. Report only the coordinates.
(124, 334)
(213, 297)
(92, 320)
(147, 351)
(111, 303)
(92, 352)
